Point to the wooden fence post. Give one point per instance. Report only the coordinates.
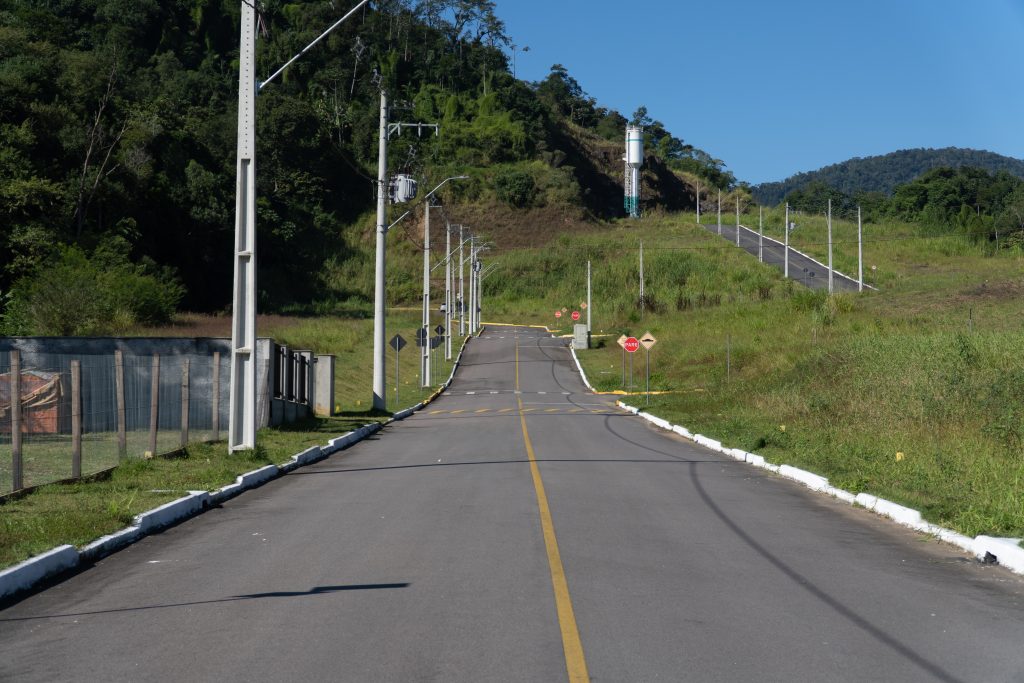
(122, 427)
(76, 419)
(184, 402)
(154, 404)
(17, 478)
(216, 395)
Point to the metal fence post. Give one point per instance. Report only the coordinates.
(76, 419)
(17, 476)
(184, 402)
(154, 404)
(122, 427)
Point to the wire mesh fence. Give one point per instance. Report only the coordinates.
(81, 414)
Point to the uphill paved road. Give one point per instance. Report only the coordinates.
(803, 269)
(521, 529)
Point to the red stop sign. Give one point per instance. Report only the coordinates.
(631, 344)
(575, 315)
(558, 314)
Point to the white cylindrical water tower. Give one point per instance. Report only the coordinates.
(634, 160)
(635, 146)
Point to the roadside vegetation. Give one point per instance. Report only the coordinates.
(912, 393)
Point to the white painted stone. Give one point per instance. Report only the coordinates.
(24, 575)
(866, 500)
(899, 513)
(841, 494)
(1007, 551)
(812, 481)
(755, 460)
(175, 510)
(737, 454)
(682, 431)
(102, 547)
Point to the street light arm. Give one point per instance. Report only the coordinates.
(457, 177)
(398, 221)
(306, 49)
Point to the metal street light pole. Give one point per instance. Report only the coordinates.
(830, 245)
(448, 291)
(786, 248)
(425, 357)
(379, 303)
(462, 288)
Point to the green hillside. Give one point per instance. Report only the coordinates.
(883, 173)
(117, 141)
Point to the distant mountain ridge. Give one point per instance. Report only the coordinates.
(883, 173)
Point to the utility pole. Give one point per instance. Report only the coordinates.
(242, 428)
(472, 284)
(589, 306)
(737, 219)
(860, 253)
(760, 234)
(786, 249)
(830, 245)
(379, 341)
(462, 289)
(447, 291)
(719, 213)
(425, 355)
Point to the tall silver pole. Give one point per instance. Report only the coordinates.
(479, 294)
(379, 343)
(447, 291)
(242, 423)
(860, 253)
(472, 285)
(760, 234)
(786, 249)
(719, 213)
(425, 356)
(589, 306)
(737, 219)
(462, 288)
(830, 246)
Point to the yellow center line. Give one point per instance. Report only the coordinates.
(505, 410)
(575, 410)
(435, 412)
(575, 663)
(484, 410)
(552, 410)
(456, 412)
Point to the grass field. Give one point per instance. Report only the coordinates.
(915, 392)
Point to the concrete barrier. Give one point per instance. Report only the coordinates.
(27, 574)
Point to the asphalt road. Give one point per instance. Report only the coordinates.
(532, 536)
(804, 270)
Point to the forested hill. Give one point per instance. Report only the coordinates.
(117, 146)
(883, 173)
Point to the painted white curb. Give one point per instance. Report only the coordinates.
(1006, 551)
(35, 569)
(176, 510)
(580, 368)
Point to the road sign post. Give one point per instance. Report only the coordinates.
(621, 341)
(630, 346)
(648, 341)
(397, 343)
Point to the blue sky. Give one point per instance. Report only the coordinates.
(775, 88)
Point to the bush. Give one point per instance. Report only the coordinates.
(515, 188)
(78, 295)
